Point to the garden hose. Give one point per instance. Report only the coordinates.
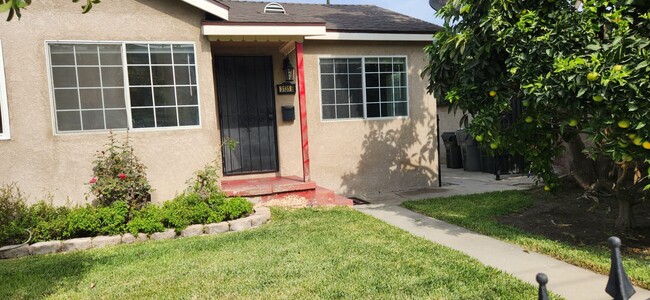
(23, 244)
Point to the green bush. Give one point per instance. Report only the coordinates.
(113, 219)
(88, 221)
(82, 221)
(12, 213)
(147, 220)
(46, 221)
(119, 175)
(185, 210)
(237, 207)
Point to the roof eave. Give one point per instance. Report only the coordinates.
(213, 7)
(373, 36)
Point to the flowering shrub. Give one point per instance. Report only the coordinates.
(119, 175)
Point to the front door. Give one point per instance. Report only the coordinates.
(247, 114)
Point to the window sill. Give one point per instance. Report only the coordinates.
(131, 131)
(364, 119)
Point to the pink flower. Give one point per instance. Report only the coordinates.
(121, 175)
(92, 180)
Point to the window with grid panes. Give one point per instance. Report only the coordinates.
(95, 88)
(368, 87)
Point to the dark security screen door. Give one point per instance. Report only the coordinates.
(247, 113)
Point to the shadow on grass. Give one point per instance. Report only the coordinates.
(481, 212)
(38, 277)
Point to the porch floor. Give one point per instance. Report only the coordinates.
(265, 186)
(284, 191)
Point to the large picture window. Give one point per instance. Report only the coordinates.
(367, 87)
(4, 111)
(101, 86)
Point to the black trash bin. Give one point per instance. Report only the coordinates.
(454, 155)
(470, 151)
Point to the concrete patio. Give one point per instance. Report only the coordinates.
(454, 182)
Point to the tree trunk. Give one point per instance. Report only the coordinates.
(583, 169)
(625, 218)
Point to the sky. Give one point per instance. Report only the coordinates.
(414, 8)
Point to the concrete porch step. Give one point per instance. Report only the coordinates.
(265, 186)
(308, 198)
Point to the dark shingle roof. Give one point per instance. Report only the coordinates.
(347, 18)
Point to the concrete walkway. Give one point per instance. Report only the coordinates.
(566, 280)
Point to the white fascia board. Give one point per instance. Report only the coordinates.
(258, 30)
(359, 36)
(210, 7)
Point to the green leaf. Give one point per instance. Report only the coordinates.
(581, 92)
(593, 47)
(21, 3)
(7, 6)
(647, 187)
(640, 125)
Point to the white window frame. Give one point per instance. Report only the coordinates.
(4, 107)
(363, 83)
(127, 94)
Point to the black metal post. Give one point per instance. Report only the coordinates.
(618, 285)
(542, 293)
(497, 166)
(439, 158)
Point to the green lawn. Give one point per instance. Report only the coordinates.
(479, 213)
(301, 254)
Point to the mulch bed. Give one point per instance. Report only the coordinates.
(563, 216)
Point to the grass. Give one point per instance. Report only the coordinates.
(479, 213)
(306, 253)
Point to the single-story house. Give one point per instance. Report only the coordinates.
(182, 76)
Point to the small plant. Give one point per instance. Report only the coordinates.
(205, 182)
(118, 175)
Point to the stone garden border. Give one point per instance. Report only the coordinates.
(261, 216)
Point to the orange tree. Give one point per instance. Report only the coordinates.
(14, 7)
(576, 74)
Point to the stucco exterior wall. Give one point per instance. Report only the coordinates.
(359, 157)
(41, 162)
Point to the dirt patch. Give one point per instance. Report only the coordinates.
(566, 217)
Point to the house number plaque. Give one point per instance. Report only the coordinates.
(286, 88)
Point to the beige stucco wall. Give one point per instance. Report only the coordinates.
(359, 157)
(42, 162)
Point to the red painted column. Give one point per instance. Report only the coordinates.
(302, 105)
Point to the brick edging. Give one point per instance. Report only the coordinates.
(261, 216)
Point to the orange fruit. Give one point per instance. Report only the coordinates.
(624, 124)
